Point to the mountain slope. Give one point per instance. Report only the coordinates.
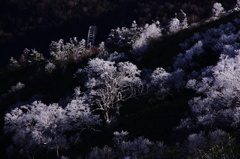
(162, 95)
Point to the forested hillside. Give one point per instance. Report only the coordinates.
(35, 23)
(146, 91)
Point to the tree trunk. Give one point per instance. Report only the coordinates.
(57, 152)
(106, 116)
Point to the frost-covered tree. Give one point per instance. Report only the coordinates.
(72, 50)
(203, 49)
(215, 82)
(237, 6)
(184, 23)
(163, 84)
(109, 84)
(158, 81)
(13, 64)
(50, 67)
(102, 47)
(217, 11)
(37, 126)
(123, 148)
(220, 105)
(149, 32)
(197, 142)
(79, 116)
(174, 25)
(32, 56)
(16, 88)
(117, 57)
(124, 36)
(186, 60)
(136, 36)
